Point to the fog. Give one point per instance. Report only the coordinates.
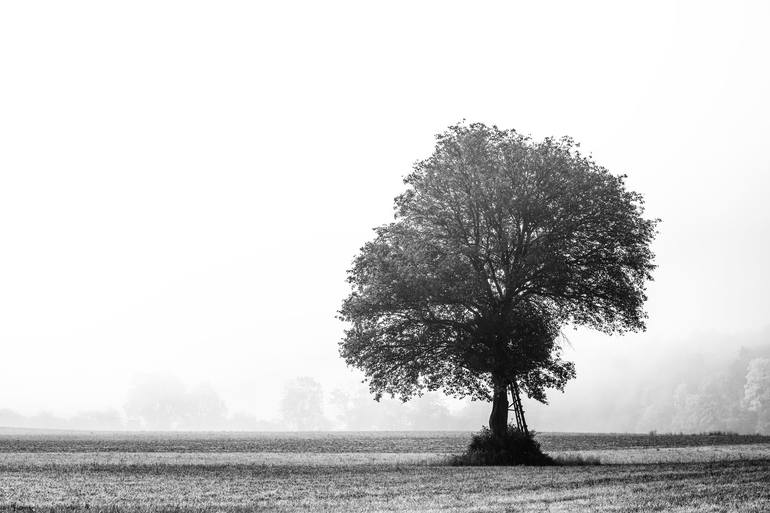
(695, 390)
(184, 185)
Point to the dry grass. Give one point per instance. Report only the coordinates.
(137, 460)
(337, 442)
(651, 455)
(634, 479)
(297, 442)
(724, 486)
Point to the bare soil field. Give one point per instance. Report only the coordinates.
(146, 472)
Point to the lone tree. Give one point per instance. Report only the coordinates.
(498, 242)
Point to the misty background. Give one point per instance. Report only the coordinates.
(695, 392)
(184, 185)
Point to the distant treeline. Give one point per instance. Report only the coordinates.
(735, 397)
(690, 393)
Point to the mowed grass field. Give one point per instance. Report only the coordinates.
(374, 472)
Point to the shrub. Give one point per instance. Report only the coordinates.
(513, 448)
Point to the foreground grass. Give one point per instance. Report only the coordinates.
(153, 472)
(718, 486)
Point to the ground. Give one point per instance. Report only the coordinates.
(375, 472)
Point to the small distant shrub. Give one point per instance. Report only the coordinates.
(514, 448)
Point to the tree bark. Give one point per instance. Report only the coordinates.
(498, 420)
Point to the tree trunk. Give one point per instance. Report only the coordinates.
(498, 420)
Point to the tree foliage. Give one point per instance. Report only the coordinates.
(498, 242)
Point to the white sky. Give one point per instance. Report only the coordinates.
(184, 184)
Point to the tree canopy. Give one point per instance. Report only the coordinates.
(497, 243)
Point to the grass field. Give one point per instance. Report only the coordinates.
(375, 472)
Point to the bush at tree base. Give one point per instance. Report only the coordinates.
(514, 448)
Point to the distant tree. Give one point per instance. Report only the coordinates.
(357, 412)
(165, 402)
(11, 418)
(757, 392)
(204, 409)
(157, 402)
(302, 405)
(429, 413)
(498, 242)
(701, 411)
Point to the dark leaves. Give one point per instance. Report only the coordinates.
(498, 241)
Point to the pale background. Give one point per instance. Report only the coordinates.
(184, 184)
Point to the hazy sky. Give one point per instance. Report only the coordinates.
(184, 184)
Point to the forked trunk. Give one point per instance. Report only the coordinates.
(498, 420)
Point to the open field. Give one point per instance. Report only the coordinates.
(158, 472)
(11, 461)
(335, 441)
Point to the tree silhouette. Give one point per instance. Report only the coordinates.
(497, 243)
